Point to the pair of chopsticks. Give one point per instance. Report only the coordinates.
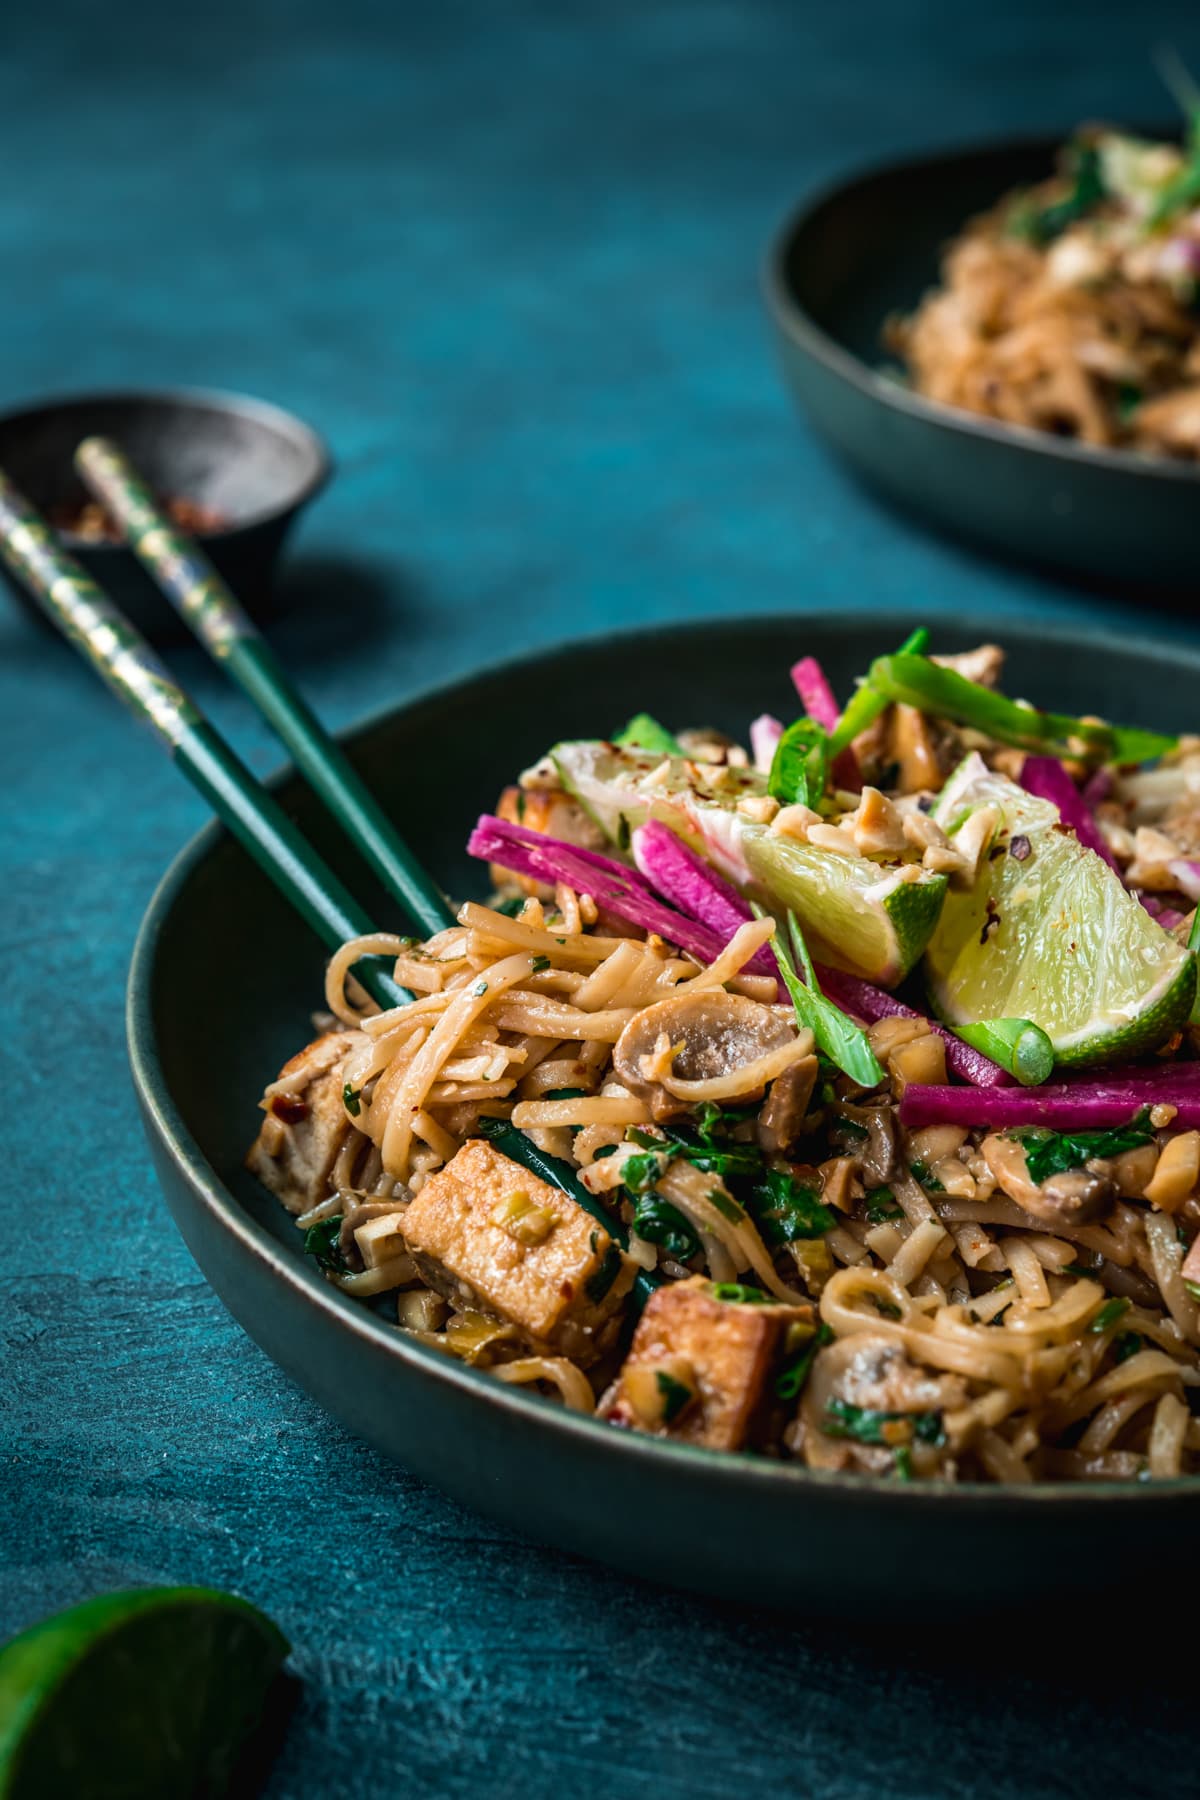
(123, 658)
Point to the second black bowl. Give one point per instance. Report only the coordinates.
(870, 247)
(246, 460)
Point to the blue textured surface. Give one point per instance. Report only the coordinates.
(506, 258)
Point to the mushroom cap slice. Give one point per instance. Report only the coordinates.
(716, 1037)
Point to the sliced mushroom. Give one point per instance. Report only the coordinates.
(1075, 1197)
(786, 1105)
(712, 1035)
(876, 1153)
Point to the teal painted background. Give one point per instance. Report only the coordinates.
(505, 257)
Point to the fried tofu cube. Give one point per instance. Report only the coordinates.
(493, 1238)
(304, 1128)
(699, 1367)
(381, 1240)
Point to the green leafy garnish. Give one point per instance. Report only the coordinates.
(902, 1465)
(351, 1100)
(539, 964)
(843, 1042)
(785, 1210)
(1126, 1345)
(795, 1372)
(321, 1243)
(925, 1175)
(944, 693)
(1053, 1152)
(645, 733)
(724, 1160)
(867, 702)
(1042, 224)
(510, 905)
(1109, 1313)
(639, 1173)
(656, 1220)
(738, 1294)
(868, 1426)
(881, 1207)
(567, 1093)
(597, 1285)
(675, 1395)
(800, 766)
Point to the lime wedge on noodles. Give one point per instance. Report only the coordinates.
(135, 1695)
(1050, 934)
(856, 914)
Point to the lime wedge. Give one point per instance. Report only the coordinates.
(855, 914)
(622, 787)
(1048, 933)
(858, 915)
(135, 1695)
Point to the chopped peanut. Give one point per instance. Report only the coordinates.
(762, 808)
(832, 837)
(1177, 1172)
(794, 822)
(876, 824)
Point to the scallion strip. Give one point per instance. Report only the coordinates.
(1018, 1045)
(843, 1042)
(866, 703)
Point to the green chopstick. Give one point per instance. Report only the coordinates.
(201, 598)
(124, 660)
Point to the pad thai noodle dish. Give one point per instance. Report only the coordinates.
(1072, 307)
(832, 1096)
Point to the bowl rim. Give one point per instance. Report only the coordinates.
(796, 323)
(267, 413)
(745, 1469)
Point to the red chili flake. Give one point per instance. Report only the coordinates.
(289, 1109)
(1020, 848)
(991, 923)
(995, 851)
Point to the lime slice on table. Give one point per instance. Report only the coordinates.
(856, 914)
(135, 1695)
(1050, 934)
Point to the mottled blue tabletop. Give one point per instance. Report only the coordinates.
(505, 257)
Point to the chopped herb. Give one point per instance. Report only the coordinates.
(738, 1294)
(795, 1372)
(728, 1160)
(675, 1395)
(640, 1173)
(656, 1220)
(711, 1118)
(800, 766)
(520, 805)
(726, 1205)
(902, 1463)
(1109, 1313)
(624, 834)
(510, 905)
(785, 1210)
(598, 1284)
(868, 1426)
(1042, 224)
(928, 1180)
(843, 1042)
(604, 1150)
(1126, 1345)
(566, 1094)
(539, 964)
(1053, 1152)
(351, 1100)
(321, 1242)
(645, 733)
(882, 1208)
(479, 988)
(1075, 1268)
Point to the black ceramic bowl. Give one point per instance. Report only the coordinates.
(223, 982)
(871, 247)
(251, 462)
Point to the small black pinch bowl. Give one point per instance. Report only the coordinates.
(870, 247)
(249, 461)
(223, 983)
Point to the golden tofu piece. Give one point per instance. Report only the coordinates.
(561, 1289)
(298, 1142)
(698, 1368)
